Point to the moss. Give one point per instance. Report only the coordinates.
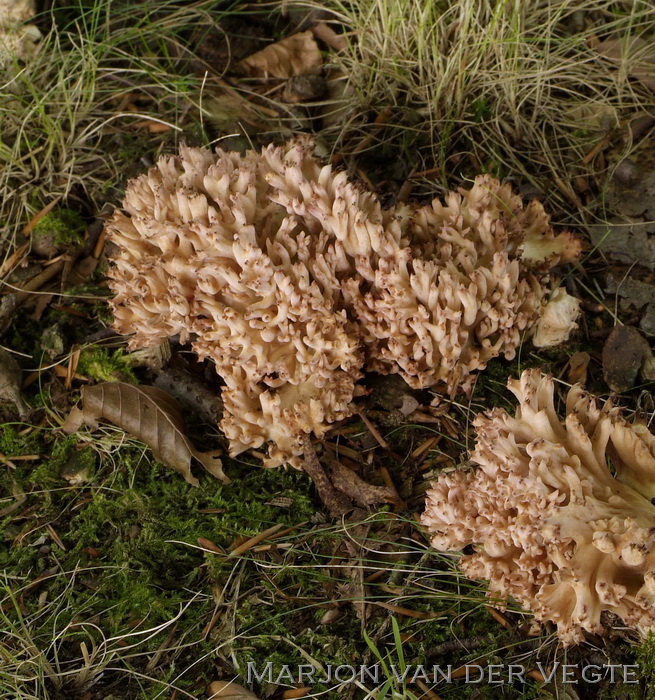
(271, 639)
(645, 657)
(65, 225)
(132, 533)
(103, 365)
(24, 333)
(15, 444)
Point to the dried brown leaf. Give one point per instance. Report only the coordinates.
(635, 295)
(228, 690)
(20, 497)
(578, 366)
(152, 416)
(10, 382)
(295, 55)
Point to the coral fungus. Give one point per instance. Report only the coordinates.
(552, 526)
(293, 280)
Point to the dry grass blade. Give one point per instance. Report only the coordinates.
(297, 54)
(636, 55)
(151, 415)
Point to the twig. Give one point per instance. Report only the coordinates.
(36, 282)
(417, 614)
(600, 146)
(13, 260)
(328, 36)
(343, 450)
(500, 619)
(427, 693)
(358, 490)
(456, 645)
(373, 430)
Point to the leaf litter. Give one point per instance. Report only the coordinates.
(149, 414)
(292, 56)
(10, 383)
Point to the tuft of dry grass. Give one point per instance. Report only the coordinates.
(109, 86)
(522, 89)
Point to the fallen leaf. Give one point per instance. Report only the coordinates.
(295, 55)
(20, 497)
(304, 88)
(10, 382)
(330, 616)
(228, 689)
(152, 416)
(638, 295)
(626, 242)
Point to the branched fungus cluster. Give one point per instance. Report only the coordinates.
(558, 511)
(294, 280)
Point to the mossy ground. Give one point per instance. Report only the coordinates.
(104, 365)
(64, 225)
(125, 565)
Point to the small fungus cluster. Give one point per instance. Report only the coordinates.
(558, 511)
(294, 280)
(17, 39)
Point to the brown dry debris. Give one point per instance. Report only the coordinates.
(626, 355)
(294, 55)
